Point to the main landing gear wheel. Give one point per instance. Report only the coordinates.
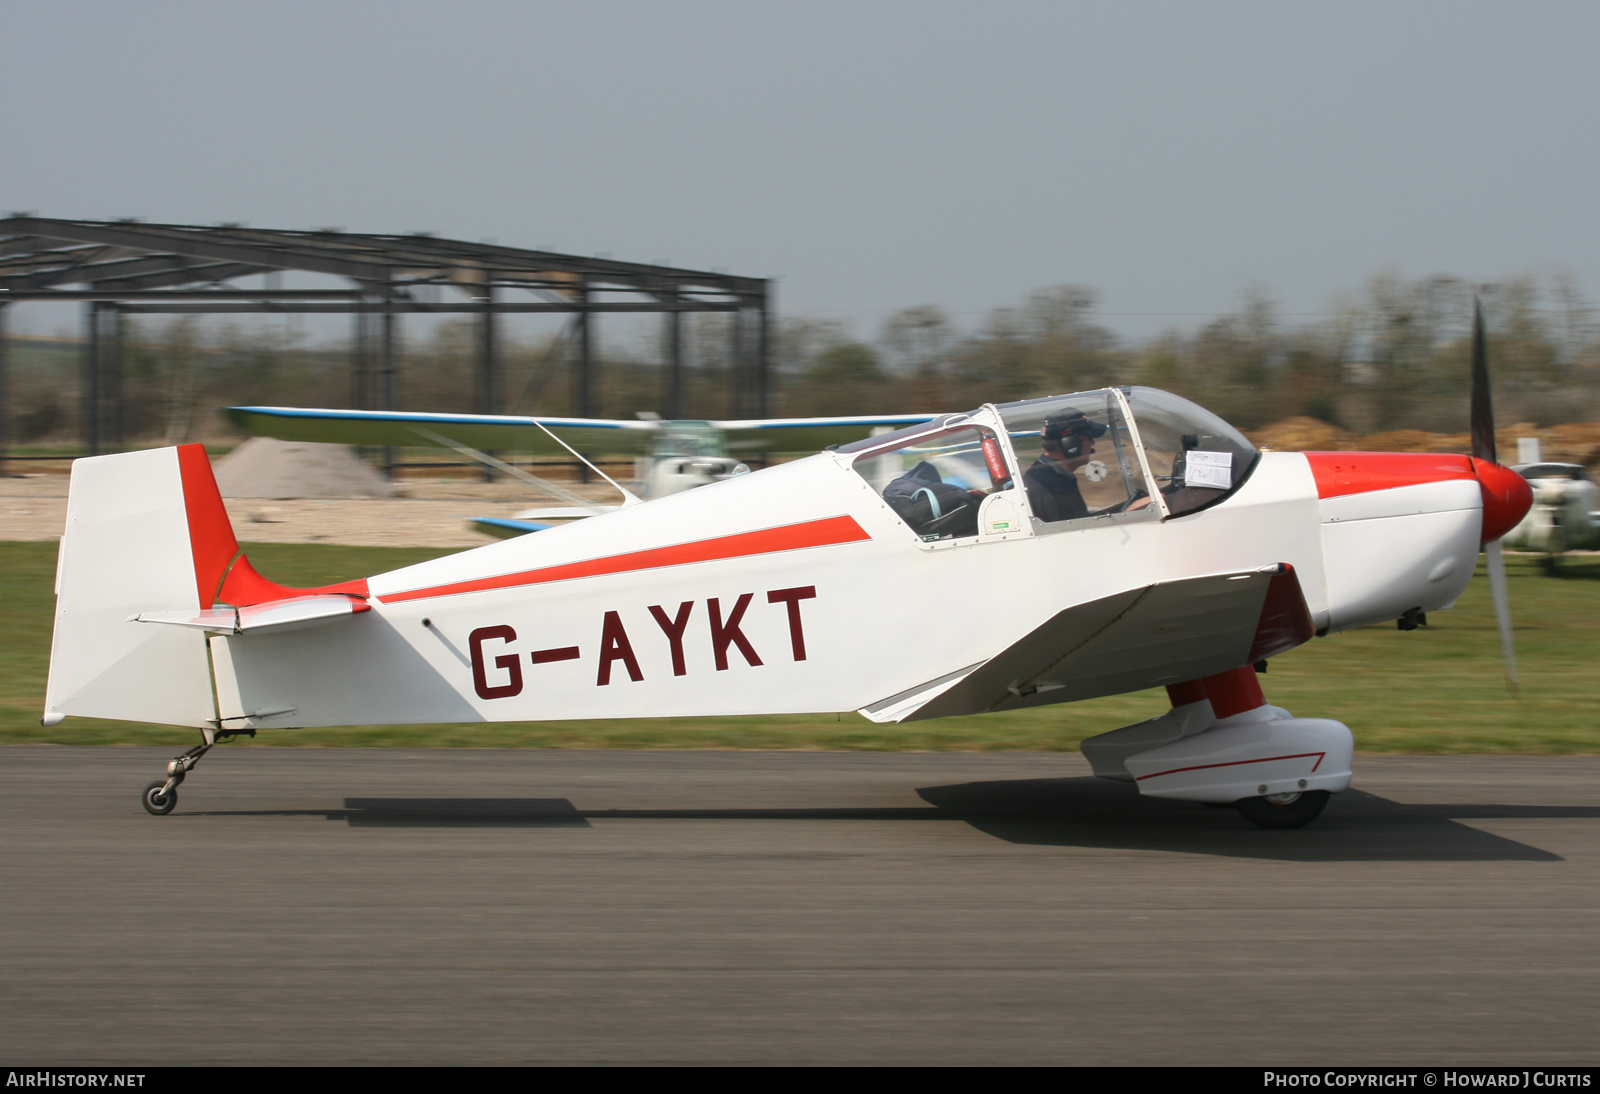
(158, 800)
(1283, 810)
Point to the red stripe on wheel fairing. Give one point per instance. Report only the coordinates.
(1235, 763)
(789, 537)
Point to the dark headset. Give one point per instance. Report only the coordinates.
(1072, 432)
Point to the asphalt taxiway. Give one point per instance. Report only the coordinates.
(474, 906)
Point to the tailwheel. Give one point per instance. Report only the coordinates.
(159, 799)
(1283, 810)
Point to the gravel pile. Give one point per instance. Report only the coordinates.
(266, 468)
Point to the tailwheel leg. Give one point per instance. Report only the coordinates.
(160, 796)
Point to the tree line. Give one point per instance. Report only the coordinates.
(1393, 355)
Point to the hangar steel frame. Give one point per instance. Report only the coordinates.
(123, 267)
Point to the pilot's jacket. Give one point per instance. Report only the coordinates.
(1053, 493)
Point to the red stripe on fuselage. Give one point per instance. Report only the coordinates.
(1341, 473)
(790, 537)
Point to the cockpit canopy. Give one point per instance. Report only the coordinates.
(689, 438)
(1078, 458)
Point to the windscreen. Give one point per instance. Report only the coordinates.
(1196, 457)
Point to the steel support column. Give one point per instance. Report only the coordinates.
(585, 377)
(388, 381)
(487, 396)
(672, 403)
(360, 385)
(115, 397)
(738, 370)
(89, 385)
(388, 368)
(764, 355)
(5, 391)
(586, 385)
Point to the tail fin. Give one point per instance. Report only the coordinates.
(147, 534)
(145, 531)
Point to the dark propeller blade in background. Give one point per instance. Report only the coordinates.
(1482, 404)
(1483, 448)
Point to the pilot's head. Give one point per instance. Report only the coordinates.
(1069, 437)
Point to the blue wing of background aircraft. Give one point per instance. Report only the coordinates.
(411, 429)
(513, 433)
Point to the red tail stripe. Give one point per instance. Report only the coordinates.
(790, 537)
(217, 561)
(211, 539)
(245, 586)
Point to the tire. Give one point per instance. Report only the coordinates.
(1298, 811)
(155, 802)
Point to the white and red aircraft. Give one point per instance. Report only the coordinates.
(804, 588)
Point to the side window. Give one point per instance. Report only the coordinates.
(935, 482)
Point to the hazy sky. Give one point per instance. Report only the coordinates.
(870, 155)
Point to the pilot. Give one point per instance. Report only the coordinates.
(1067, 443)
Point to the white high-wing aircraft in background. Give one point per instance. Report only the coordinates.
(916, 574)
(670, 456)
(1566, 510)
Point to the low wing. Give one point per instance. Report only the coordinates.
(1158, 634)
(488, 432)
(792, 435)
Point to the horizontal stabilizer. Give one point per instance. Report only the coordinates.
(273, 617)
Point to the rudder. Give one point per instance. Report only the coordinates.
(146, 531)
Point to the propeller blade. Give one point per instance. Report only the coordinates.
(1502, 609)
(1483, 448)
(1482, 410)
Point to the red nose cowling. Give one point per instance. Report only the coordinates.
(1507, 497)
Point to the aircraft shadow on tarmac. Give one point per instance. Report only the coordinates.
(459, 813)
(1355, 827)
(1064, 812)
